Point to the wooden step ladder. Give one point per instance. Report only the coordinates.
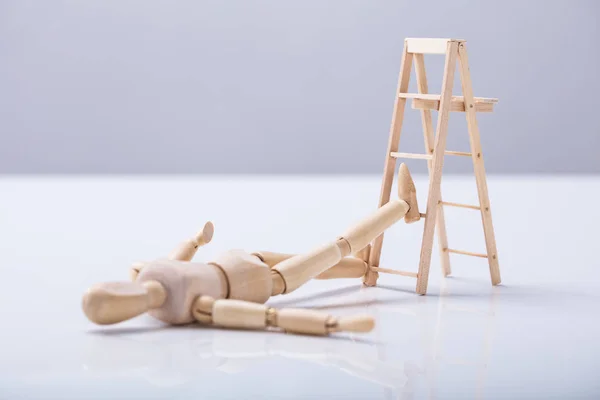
(444, 103)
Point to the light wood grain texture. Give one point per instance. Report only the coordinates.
(457, 153)
(179, 292)
(396, 154)
(186, 250)
(311, 322)
(482, 190)
(395, 272)
(202, 309)
(466, 253)
(348, 267)
(361, 234)
(297, 270)
(429, 140)
(248, 277)
(357, 323)
(428, 45)
(271, 258)
(456, 106)
(135, 269)
(437, 97)
(303, 321)
(245, 315)
(183, 281)
(364, 253)
(370, 278)
(301, 268)
(448, 203)
(435, 176)
(112, 302)
(239, 314)
(408, 193)
(278, 283)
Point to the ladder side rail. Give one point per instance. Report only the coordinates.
(427, 122)
(437, 167)
(478, 165)
(370, 278)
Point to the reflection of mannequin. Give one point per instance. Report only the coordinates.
(179, 361)
(230, 290)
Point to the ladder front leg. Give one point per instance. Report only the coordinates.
(435, 178)
(370, 278)
(427, 122)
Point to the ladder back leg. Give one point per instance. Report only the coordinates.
(477, 156)
(427, 123)
(437, 166)
(370, 278)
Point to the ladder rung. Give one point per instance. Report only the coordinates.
(466, 253)
(395, 272)
(458, 153)
(411, 155)
(448, 203)
(430, 96)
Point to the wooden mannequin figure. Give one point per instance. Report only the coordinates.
(230, 290)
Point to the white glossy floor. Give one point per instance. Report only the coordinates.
(534, 336)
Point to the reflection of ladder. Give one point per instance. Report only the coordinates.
(439, 357)
(444, 103)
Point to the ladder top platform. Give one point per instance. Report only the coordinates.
(445, 40)
(428, 45)
(436, 97)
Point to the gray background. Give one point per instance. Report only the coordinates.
(278, 86)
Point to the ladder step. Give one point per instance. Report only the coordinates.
(455, 106)
(458, 153)
(429, 156)
(448, 203)
(395, 272)
(411, 155)
(466, 253)
(429, 96)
